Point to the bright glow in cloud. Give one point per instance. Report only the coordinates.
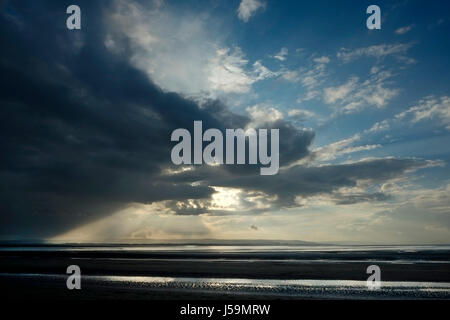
(226, 72)
(181, 53)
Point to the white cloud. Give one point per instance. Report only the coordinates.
(312, 78)
(323, 59)
(261, 114)
(379, 126)
(354, 95)
(291, 76)
(404, 30)
(227, 72)
(429, 108)
(301, 114)
(406, 60)
(260, 72)
(310, 94)
(334, 94)
(247, 8)
(375, 51)
(172, 49)
(282, 54)
(335, 149)
(180, 52)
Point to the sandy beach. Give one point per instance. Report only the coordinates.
(40, 272)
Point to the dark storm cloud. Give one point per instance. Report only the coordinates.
(82, 132)
(356, 198)
(305, 181)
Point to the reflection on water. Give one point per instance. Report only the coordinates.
(273, 282)
(257, 287)
(302, 261)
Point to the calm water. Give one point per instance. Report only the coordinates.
(227, 248)
(286, 253)
(323, 289)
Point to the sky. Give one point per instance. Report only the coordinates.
(87, 115)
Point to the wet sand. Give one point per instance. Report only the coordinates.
(426, 265)
(431, 272)
(415, 266)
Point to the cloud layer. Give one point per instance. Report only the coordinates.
(86, 120)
